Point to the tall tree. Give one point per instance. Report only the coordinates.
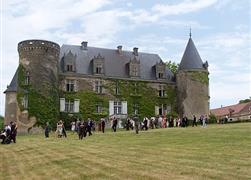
(173, 66)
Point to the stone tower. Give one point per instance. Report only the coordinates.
(35, 81)
(192, 83)
(40, 61)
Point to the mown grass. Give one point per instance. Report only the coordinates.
(215, 152)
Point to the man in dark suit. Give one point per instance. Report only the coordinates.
(114, 124)
(103, 125)
(81, 130)
(194, 121)
(13, 131)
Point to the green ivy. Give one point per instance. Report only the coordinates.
(200, 76)
(141, 94)
(44, 108)
(88, 102)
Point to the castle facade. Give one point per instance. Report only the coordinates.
(78, 81)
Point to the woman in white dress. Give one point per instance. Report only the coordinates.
(73, 126)
(60, 129)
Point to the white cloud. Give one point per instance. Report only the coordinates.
(229, 60)
(184, 7)
(102, 22)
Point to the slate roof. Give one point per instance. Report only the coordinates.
(191, 58)
(115, 63)
(13, 85)
(237, 108)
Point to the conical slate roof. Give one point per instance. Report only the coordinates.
(191, 58)
(13, 85)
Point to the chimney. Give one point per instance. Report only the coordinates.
(84, 45)
(119, 48)
(135, 51)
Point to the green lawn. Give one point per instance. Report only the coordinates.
(215, 152)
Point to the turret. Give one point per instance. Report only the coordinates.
(40, 59)
(32, 96)
(192, 83)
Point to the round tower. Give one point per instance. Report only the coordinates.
(40, 59)
(37, 83)
(192, 84)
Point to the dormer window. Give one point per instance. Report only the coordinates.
(134, 68)
(161, 75)
(160, 70)
(69, 62)
(69, 68)
(99, 70)
(98, 65)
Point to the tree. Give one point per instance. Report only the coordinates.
(245, 100)
(173, 66)
(1, 122)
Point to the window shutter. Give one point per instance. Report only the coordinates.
(76, 105)
(111, 108)
(62, 104)
(156, 110)
(124, 107)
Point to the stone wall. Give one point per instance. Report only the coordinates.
(193, 95)
(147, 93)
(40, 59)
(10, 107)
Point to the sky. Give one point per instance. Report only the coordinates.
(221, 31)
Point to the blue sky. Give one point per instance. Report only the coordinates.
(220, 29)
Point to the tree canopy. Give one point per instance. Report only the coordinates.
(245, 100)
(173, 66)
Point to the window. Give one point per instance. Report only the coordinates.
(69, 67)
(70, 85)
(27, 78)
(135, 88)
(161, 75)
(160, 111)
(162, 92)
(136, 108)
(99, 108)
(135, 71)
(69, 106)
(98, 87)
(117, 107)
(98, 70)
(117, 88)
(164, 109)
(25, 102)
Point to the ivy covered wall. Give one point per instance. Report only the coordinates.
(43, 107)
(134, 92)
(200, 76)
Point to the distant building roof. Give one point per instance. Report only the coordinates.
(13, 85)
(191, 58)
(115, 62)
(237, 108)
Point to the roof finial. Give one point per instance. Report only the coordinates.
(190, 34)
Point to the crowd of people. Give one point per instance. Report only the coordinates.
(85, 128)
(9, 133)
(164, 122)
